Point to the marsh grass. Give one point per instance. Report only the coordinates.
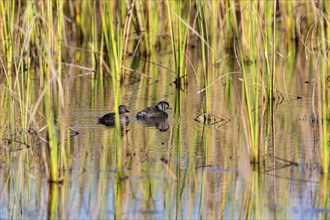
(250, 73)
(178, 16)
(205, 51)
(114, 38)
(324, 90)
(36, 38)
(245, 20)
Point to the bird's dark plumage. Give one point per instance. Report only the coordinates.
(154, 112)
(109, 119)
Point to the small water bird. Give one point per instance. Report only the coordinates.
(154, 112)
(109, 119)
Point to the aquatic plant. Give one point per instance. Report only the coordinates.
(249, 55)
(178, 16)
(251, 77)
(323, 89)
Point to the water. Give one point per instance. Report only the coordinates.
(181, 169)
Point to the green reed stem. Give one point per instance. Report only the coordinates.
(114, 40)
(7, 15)
(118, 199)
(113, 37)
(205, 136)
(324, 95)
(153, 23)
(53, 140)
(324, 194)
(53, 201)
(53, 99)
(178, 31)
(177, 135)
(271, 95)
(251, 93)
(205, 55)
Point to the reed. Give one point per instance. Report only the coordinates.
(205, 50)
(324, 198)
(53, 201)
(324, 82)
(143, 23)
(7, 14)
(115, 30)
(104, 165)
(52, 137)
(113, 36)
(153, 11)
(205, 144)
(178, 18)
(52, 94)
(250, 74)
(36, 41)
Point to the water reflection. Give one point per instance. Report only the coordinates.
(191, 171)
(171, 168)
(160, 124)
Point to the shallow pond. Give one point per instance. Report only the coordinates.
(182, 169)
(237, 74)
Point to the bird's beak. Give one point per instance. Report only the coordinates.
(127, 110)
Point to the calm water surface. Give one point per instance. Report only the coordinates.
(183, 169)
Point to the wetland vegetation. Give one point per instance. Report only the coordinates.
(247, 135)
